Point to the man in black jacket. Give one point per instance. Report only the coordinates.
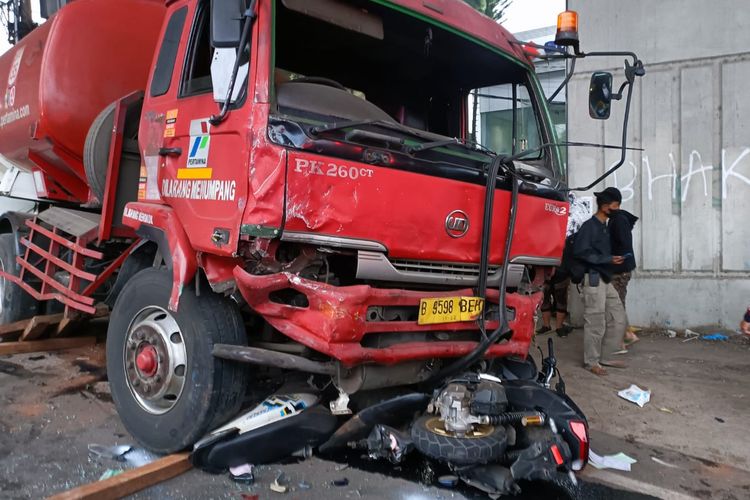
(621, 224)
(604, 314)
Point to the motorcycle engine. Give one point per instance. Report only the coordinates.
(467, 402)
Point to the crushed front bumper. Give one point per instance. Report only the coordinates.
(335, 321)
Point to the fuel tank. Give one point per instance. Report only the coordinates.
(56, 80)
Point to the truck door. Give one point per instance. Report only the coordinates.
(202, 169)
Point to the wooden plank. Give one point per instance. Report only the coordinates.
(45, 345)
(39, 324)
(66, 325)
(13, 328)
(130, 481)
(74, 320)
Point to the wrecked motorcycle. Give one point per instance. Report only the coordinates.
(492, 428)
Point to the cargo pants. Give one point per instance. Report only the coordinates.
(604, 322)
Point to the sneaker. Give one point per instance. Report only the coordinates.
(563, 331)
(598, 370)
(544, 329)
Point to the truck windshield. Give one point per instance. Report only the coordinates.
(379, 65)
(504, 120)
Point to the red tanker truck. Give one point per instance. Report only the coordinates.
(298, 186)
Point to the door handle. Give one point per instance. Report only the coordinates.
(170, 151)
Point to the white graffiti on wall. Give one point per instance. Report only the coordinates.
(695, 167)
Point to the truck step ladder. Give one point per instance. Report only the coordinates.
(54, 264)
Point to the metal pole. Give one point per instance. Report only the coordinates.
(15, 21)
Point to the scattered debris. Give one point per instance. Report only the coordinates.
(620, 461)
(247, 496)
(110, 473)
(242, 474)
(720, 420)
(671, 334)
(715, 336)
(37, 358)
(666, 410)
(304, 485)
(340, 467)
(636, 395)
(621, 352)
(386, 442)
(448, 481)
(277, 485)
(136, 457)
(340, 482)
(111, 452)
(691, 335)
(662, 462)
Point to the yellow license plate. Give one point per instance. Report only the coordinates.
(449, 310)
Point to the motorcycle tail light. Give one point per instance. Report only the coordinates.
(580, 431)
(557, 455)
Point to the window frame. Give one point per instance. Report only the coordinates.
(202, 7)
(166, 60)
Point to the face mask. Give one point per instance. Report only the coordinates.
(612, 212)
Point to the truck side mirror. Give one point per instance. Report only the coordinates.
(600, 95)
(226, 23)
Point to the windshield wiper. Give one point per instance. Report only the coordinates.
(454, 141)
(330, 127)
(425, 146)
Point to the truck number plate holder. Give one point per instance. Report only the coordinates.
(449, 310)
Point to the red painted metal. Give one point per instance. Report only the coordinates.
(76, 247)
(48, 296)
(147, 361)
(113, 172)
(181, 254)
(403, 203)
(335, 322)
(53, 259)
(69, 69)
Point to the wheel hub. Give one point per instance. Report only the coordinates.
(437, 426)
(147, 361)
(155, 360)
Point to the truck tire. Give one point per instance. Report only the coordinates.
(15, 303)
(168, 388)
(96, 150)
(486, 448)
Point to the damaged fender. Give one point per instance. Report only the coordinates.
(160, 224)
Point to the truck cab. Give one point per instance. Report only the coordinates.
(318, 163)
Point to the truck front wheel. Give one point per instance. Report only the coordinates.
(168, 388)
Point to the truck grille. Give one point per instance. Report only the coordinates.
(377, 266)
(451, 268)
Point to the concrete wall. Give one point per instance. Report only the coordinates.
(691, 184)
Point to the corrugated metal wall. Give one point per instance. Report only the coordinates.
(691, 116)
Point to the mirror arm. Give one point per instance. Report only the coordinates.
(249, 17)
(618, 95)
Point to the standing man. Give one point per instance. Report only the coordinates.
(621, 223)
(604, 314)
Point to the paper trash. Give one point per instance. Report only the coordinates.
(636, 395)
(619, 461)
